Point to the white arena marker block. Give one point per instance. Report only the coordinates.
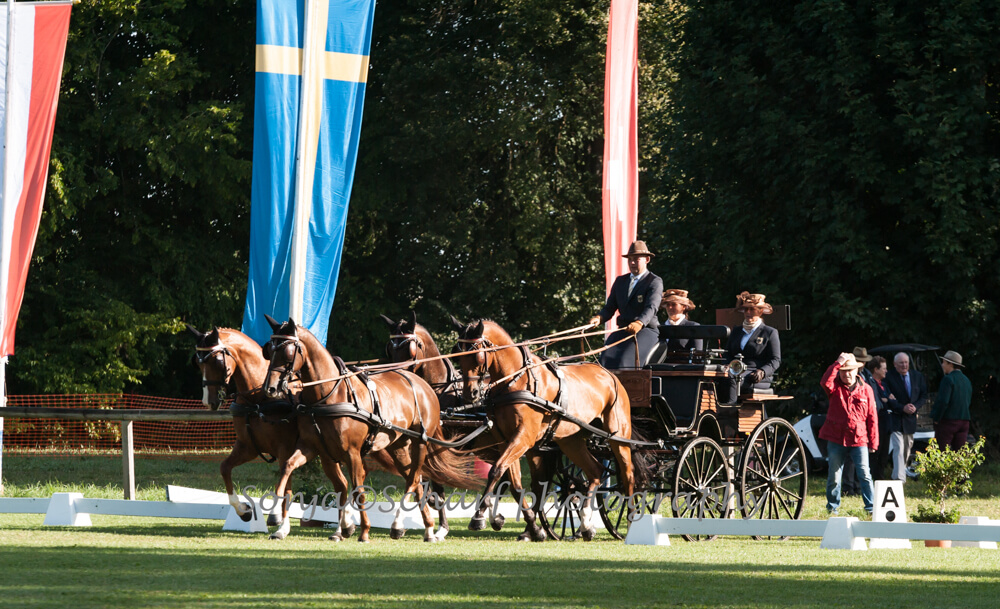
(986, 545)
(838, 535)
(644, 532)
(890, 506)
(257, 524)
(62, 511)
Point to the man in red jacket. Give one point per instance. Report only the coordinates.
(851, 428)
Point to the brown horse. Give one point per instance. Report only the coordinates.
(526, 411)
(410, 341)
(261, 427)
(346, 418)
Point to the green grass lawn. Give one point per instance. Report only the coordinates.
(141, 562)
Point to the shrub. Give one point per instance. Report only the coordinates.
(946, 473)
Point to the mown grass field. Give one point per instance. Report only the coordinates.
(137, 562)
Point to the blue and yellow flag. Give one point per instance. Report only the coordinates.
(312, 65)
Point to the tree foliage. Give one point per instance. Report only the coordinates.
(840, 157)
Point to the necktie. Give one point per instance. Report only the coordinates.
(906, 379)
(631, 286)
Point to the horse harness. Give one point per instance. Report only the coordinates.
(270, 411)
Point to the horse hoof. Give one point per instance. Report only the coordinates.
(588, 534)
(431, 539)
(540, 535)
(363, 540)
(278, 535)
(397, 533)
(273, 520)
(335, 538)
(349, 531)
(525, 536)
(497, 522)
(477, 524)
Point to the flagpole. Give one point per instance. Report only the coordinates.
(4, 198)
(316, 13)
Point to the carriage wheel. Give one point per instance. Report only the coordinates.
(773, 473)
(561, 517)
(653, 480)
(702, 484)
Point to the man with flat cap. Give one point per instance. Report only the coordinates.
(636, 297)
(951, 407)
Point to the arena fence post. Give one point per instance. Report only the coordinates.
(128, 460)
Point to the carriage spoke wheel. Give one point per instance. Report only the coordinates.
(560, 515)
(773, 474)
(654, 474)
(702, 484)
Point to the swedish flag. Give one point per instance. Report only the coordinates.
(312, 65)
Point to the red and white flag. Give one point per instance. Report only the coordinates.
(621, 149)
(31, 54)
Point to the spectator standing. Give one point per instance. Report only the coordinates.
(851, 428)
(951, 407)
(877, 368)
(910, 389)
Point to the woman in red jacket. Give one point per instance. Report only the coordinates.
(851, 428)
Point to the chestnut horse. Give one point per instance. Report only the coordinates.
(528, 404)
(261, 426)
(410, 341)
(344, 419)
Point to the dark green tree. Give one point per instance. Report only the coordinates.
(841, 157)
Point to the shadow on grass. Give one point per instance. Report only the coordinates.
(396, 574)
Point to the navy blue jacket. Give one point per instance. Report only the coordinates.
(641, 306)
(898, 420)
(763, 350)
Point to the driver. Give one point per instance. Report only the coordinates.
(636, 297)
(759, 345)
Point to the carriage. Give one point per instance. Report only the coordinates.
(692, 455)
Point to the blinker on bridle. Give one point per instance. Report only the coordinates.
(202, 355)
(287, 371)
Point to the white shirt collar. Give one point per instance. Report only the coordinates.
(678, 322)
(638, 277)
(755, 326)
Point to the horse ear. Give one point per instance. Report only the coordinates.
(479, 330)
(195, 331)
(411, 326)
(459, 325)
(388, 322)
(292, 322)
(272, 322)
(214, 335)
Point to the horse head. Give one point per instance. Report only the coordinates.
(404, 343)
(286, 354)
(217, 365)
(478, 355)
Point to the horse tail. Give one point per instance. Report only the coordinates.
(447, 466)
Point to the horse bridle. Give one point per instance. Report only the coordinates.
(483, 347)
(288, 372)
(202, 355)
(399, 341)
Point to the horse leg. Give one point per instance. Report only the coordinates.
(240, 454)
(536, 466)
(439, 498)
(357, 466)
(340, 485)
(297, 460)
(575, 448)
(518, 445)
(617, 421)
(531, 530)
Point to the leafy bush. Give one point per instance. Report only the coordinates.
(946, 473)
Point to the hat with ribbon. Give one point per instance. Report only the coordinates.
(746, 299)
(952, 358)
(861, 354)
(850, 363)
(678, 296)
(638, 248)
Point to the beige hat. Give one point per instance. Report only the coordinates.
(850, 363)
(746, 299)
(861, 354)
(953, 358)
(678, 296)
(638, 248)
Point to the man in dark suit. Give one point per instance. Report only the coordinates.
(677, 304)
(910, 389)
(635, 297)
(757, 343)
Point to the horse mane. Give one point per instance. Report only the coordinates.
(497, 335)
(430, 347)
